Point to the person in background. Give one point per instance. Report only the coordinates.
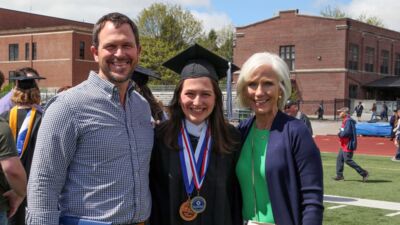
(348, 144)
(373, 110)
(6, 103)
(24, 120)
(320, 110)
(141, 77)
(280, 167)
(192, 176)
(63, 88)
(359, 109)
(12, 173)
(393, 123)
(384, 112)
(292, 109)
(92, 156)
(396, 131)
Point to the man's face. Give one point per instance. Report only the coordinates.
(291, 110)
(117, 53)
(342, 114)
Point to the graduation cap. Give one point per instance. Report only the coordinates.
(141, 75)
(25, 80)
(197, 61)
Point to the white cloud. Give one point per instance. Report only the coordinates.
(213, 20)
(386, 10)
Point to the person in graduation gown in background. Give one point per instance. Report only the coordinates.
(141, 76)
(280, 167)
(24, 120)
(192, 170)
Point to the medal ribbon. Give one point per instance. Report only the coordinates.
(194, 164)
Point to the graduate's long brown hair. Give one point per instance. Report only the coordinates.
(169, 131)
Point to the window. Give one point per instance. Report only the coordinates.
(287, 53)
(82, 50)
(353, 57)
(26, 51)
(34, 49)
(385, 62)
(397, 64)
(13, 52)
(369, 59)
(352, 91)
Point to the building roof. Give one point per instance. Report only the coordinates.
(22, 20)
(386, 82)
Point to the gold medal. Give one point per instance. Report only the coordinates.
(186, 212)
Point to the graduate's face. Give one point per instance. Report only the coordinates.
(197, 99)
(263, 91)
(117, 53)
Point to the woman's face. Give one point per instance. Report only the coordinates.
(263, 91)
(197, 99)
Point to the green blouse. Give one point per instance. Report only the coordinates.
(256, 201)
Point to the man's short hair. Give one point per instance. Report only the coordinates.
(117, 19)
(289, 103)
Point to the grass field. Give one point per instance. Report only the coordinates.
(383, 184)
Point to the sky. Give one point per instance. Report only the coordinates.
(215, 14)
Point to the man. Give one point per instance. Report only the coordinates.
(359, 109)
(384, 113)
(320, 110)
(12, 175)
(348, 144)
(93, 149)
(393, 123)
(292, 109)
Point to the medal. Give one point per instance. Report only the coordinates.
(186, 212)
(194, 166)
(198, 204)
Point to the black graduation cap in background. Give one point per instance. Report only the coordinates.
(141, 75)
(197, 61)
(24, 81)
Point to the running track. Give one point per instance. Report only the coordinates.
(366, 145)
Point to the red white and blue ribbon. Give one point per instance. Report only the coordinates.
(194, 164)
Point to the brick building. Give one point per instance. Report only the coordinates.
(329, 58)
(58, 49)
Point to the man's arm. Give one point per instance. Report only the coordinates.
(16, 177)
(54, 151)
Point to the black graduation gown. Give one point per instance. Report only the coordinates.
(26, 159)
(220, 187)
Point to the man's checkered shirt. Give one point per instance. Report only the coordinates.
(92, 157)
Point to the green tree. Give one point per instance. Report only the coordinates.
(165, 30)
(373, 20)
(336, 12)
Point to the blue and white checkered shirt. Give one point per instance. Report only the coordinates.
(92, 157)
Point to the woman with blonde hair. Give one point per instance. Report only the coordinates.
(279, 168)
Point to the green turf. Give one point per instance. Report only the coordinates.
(383, 184)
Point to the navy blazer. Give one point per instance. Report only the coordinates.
(293, 171)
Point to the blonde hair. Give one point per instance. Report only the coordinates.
(278, 66)
(26, 96)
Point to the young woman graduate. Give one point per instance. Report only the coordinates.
(192, 172)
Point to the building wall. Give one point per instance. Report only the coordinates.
(57, 56)
(21, 20)
(321, 49)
